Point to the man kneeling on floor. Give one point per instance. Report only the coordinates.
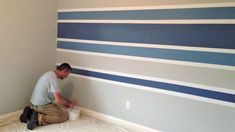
(48, 106)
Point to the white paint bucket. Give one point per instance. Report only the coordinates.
(74, 113)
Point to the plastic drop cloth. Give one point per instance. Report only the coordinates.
(83, 124)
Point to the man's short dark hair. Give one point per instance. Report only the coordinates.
(64, 66)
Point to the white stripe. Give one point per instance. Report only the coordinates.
(188, 21)
(198, 98)
(204, 65)
(188, 48)
(206, 87)
(182, 6)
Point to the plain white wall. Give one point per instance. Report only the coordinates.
(27, 48)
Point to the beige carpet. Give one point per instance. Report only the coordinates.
(83, 124)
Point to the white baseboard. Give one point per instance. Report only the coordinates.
(10, 118)
(129, 125)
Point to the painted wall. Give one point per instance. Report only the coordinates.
(28, 40)
(63, 4)
(175, 64)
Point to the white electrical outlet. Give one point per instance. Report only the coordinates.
(128, 105)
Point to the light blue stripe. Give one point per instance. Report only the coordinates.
(180, 55)
(154, 14)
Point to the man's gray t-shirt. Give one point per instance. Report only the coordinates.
(45, 87)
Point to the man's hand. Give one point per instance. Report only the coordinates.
(72, 103)
(67, 103)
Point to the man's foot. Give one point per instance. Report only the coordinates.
(25, 116)
(33, 122)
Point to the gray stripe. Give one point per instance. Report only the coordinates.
(197, 75)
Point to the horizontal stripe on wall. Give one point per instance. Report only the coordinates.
(154, 14)
(218, 50)
(180, 55)
(147, 7)
(196, 35)
(159, 85)
(188, 21)
(160, 71)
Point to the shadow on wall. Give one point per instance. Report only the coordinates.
(67, 90)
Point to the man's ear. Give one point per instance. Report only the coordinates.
(63, 71)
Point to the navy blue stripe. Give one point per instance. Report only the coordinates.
(159, 85)
(198, 35)
(171, 54)
(154, 14)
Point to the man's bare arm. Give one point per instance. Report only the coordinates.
(61, 100)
